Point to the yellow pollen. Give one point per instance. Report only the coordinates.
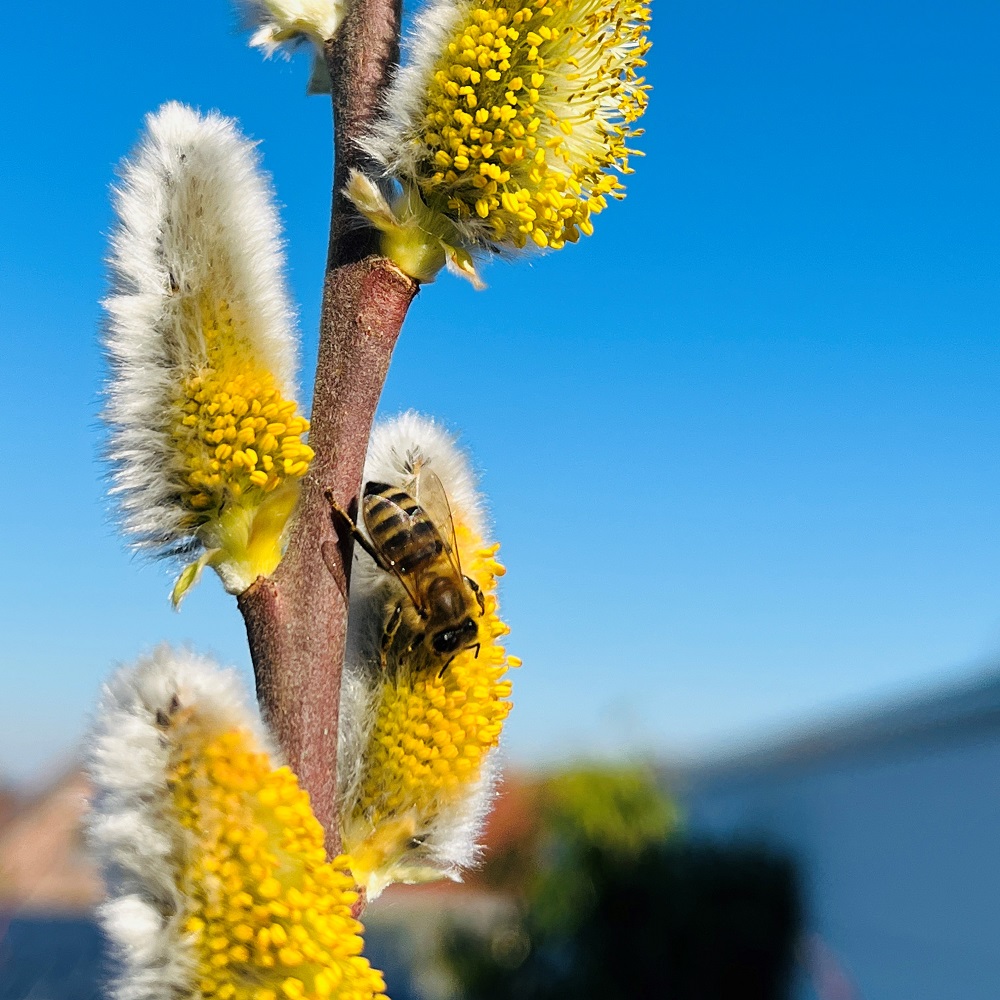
(524, 131)
(274, 926)
(235, 435)
(238, 450)
(432, 733)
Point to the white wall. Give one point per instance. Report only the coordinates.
(900, 848)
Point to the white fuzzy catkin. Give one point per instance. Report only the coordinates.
(403, 107)
(507, 128)
(128, 763)
(195, 216)
(282, 24)
(393, 138)
(445, 840)
(393, 449)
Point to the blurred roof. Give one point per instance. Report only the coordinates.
(959, 712)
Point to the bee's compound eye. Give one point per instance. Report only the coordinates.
(448, 641)
(453, 639)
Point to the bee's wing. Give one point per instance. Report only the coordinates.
(429, 493)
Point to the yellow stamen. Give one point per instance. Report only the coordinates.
(261, 898)
(554, 109)
(229, 418)
(240, 451)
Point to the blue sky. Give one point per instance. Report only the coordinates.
(741, 445)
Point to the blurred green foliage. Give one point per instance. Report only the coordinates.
(620, 810)
(613, 902)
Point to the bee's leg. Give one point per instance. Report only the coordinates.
(414, 643)
(474, 587)
(337, 513)
(389, 634)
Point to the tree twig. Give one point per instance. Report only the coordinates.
(297, 620)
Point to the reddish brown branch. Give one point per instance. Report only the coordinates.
(297, 621)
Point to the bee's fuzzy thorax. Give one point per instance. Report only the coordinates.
(394, 446)
(201, 344)
(218, 880)
(417, 762)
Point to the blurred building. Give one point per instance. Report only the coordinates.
(44, 865)
(894, 818)
(50, 948)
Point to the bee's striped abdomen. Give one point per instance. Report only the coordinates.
(399, 527)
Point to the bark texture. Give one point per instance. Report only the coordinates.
(297, 620)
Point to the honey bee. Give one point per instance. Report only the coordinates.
(412, 536)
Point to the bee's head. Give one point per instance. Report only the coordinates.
(451, 640)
